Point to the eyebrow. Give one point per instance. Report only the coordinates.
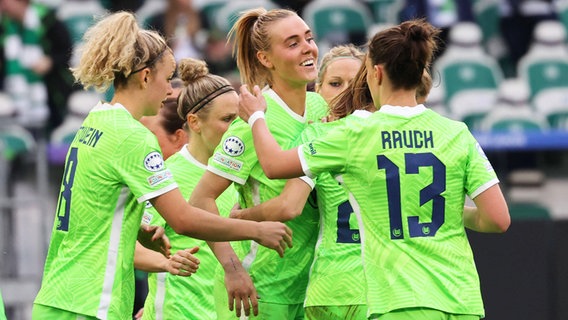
(297, 36)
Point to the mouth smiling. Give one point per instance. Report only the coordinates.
(308, 63)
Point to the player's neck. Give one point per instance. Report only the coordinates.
(198, 151)
(293, 96)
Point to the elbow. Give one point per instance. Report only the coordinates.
(504, 224)
(269, 169)
(270, 174)
(289, 211)
(181, 226)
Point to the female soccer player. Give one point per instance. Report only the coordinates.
(335, 290)
(409, 169)
(338, 67)
(114, 166)
(275, 49)
(209, 104)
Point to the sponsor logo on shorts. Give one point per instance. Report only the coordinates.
(159, 177)
(225, 161)
(154, 162)
(233, 146)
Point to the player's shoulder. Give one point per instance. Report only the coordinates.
(314, 98)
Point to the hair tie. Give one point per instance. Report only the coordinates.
(208, 98)
(150, 63)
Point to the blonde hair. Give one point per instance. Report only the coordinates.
(200, 87)
(251, 33)
(114, 48)
(423, 89)
(338, 52)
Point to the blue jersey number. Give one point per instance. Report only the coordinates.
(63, 210)
(432, 192)
(344, 232)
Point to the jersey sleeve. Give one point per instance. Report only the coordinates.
(328, 153)
(235, 155)
(480, 174)
(141, 167)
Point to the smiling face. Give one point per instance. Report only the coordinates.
(293, 53)
(339, 73)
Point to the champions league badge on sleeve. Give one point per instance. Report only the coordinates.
(233, 146)
(154, 162)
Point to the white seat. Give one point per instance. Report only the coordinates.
(513, 112)
(471, 106)
(82, 101)
(7, 108)
(552, 103)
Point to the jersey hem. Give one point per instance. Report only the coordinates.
(156, 193)
(225, 175)
(484, 187)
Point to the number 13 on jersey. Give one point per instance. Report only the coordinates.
(432, 192)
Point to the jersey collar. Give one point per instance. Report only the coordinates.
(403, 111)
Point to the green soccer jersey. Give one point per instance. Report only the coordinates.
(174, 297)
(409, 170)
(336, 276)
(114, 165)
(277, 280)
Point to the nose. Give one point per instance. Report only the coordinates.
(170, 89)
(310, 47)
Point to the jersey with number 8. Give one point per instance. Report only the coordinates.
(409, 169)
(113, 167)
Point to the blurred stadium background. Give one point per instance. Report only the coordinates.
(512, 93)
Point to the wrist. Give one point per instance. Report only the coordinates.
(255, 116)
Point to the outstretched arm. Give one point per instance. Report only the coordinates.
(276, 163)
(491, 213)
(288, 205)
(197, 223)
(182, 263)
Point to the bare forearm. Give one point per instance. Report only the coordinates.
(276, 163)
(473, 220)
(212, 227)
(149, 260)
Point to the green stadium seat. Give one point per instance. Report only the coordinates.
(337, 19)
(385, 11)
(230, 12)
(78, 16)
(528, 211)
(513, 112)
(546, 63)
